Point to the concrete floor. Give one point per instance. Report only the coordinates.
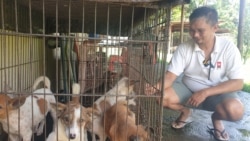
(197, 130)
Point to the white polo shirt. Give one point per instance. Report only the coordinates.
(188, 59)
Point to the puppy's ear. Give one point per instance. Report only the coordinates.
(59, 107)
(17, 102)
(150, 129)
(104, 105)
(91, 112)
(132, 83)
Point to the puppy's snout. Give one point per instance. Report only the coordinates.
(72, 136)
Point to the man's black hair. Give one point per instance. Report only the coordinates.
(209, 13)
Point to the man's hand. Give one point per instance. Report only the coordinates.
(197, 98)
(149, 89)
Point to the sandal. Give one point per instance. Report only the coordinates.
(220, 135)
(179, 124)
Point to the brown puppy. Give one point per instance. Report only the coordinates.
(121, 91)
(119, 122)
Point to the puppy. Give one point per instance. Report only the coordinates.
(120, 124)
(21, 114)
(121, 91)
(48, 96)
(72, 118)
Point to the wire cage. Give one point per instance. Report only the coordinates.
(91, 42)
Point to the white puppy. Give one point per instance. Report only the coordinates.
(21, 114)
(46, 93)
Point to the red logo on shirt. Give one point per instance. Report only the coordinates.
(218, 64)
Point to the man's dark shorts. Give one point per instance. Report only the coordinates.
(209, 104)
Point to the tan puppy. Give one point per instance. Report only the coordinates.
(120, 124)
(72, 119)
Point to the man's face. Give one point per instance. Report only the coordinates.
(201, 31)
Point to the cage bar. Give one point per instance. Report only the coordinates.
(94, 43)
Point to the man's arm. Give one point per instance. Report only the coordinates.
(225, 87)
(169, 78)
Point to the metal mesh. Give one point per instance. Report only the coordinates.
(92, 43)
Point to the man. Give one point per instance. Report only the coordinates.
(212, 74)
